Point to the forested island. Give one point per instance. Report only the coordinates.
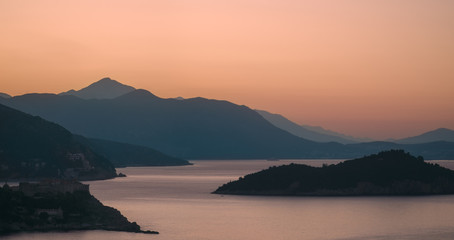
(391, 172)
(57, 205)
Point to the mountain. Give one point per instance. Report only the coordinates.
(33, 148)
(4, 95)
(105, 88)
(128, 155)
(321, 130)
(195, 128)
(441, 134)
(316, 134)
(386, 173)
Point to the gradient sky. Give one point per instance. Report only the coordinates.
(377, 69)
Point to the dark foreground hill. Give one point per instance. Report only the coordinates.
(33, 148)
(128, 155)
(57, 206)
(386, 173)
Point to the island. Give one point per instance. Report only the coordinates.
(392, 172)
(57, 205)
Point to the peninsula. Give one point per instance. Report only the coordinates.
(391, 172)
(57, 205)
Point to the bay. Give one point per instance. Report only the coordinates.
(176, 201)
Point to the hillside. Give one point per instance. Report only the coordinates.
(57, 206)
(128, 155)
(33, 148)
(386, 173)
(303, 132)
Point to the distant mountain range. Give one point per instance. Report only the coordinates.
(320, 134)
(195, 128)
(316, 134)
(105, 88)
(33, 148)
(441, 134)
(321, 130)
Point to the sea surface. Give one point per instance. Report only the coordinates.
(176, 201)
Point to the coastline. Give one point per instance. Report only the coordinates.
(58, 205)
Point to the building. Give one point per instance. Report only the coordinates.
(52, 186)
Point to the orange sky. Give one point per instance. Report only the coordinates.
(376, 69)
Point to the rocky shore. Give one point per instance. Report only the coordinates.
(58, 206)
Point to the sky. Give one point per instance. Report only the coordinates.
(379, 68)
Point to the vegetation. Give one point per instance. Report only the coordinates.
(48, 211)
(386, 173)
(127, 155)
(33, 148)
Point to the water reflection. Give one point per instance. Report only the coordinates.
(177, 202)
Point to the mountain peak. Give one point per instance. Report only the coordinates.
(106, 81)
(106, 88)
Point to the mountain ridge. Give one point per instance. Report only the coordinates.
(196, 128)
(303, 131)
(439, 134)
(105, 88)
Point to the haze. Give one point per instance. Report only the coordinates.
(375, 69)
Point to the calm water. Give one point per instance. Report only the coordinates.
(176, 201)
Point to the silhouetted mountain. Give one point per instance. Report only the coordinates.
(4, 95)
(32, 148)
(303, 131)
(105, 88)
(321, 130)
(127, 155)
(195, 128)
(441, 134)
(386, 173)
